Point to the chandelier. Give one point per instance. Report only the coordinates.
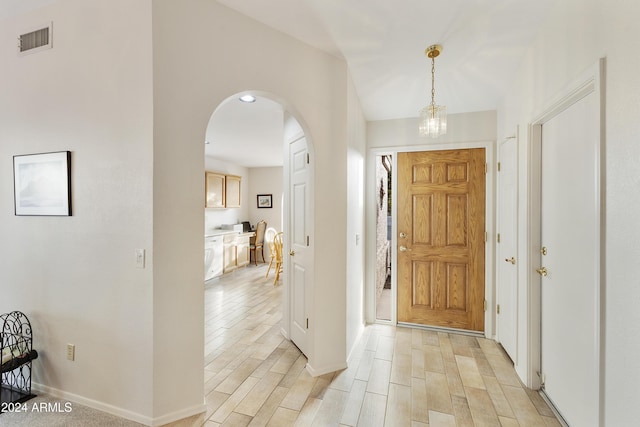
(433, 118)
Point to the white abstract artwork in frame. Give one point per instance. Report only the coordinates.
(42, 184)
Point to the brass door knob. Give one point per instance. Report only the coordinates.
(292, 253)
(403, 249)
(542, 271)
(512, 260)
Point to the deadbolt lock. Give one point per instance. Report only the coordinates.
(543, 251)
(403, 234)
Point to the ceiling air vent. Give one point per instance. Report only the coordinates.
(35, 41)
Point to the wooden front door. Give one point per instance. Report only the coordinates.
(441, 224)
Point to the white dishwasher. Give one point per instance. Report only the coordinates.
(213, 259)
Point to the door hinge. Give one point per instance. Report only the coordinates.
(485, 305)
(498, 309)
(307, 240)
(498, 166)
(486, 237)
(486, 168)
(307, 323)
(542, 378)
(307, 158)
(498, 237)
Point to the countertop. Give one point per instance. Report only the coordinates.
(220, 232)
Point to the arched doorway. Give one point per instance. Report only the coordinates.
(263, 132)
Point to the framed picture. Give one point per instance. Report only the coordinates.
(42, 184)
(264, 201)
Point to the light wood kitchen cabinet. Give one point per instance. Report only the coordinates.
(232, 191)
(229, 253)
(222, 191)
(236, 251)
(214, 190)
(242, 250)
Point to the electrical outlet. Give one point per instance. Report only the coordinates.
(71, 352)
(140, 258)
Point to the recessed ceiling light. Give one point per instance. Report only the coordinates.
(248, 98)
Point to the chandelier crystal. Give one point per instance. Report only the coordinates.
(433, 118)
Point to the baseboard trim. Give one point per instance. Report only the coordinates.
(284, 333)
(120, 412)
(100, 406)
(179, 415)
(325, 370)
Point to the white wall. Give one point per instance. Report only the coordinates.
(75, 277)
(464, 127)
(576, 35)
(215, 217)
(190, 81)
(266, 181)
(355, 238)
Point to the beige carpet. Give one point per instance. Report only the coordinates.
(45, 411)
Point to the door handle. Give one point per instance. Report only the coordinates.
(292, 253)
(403, 249)
(542, 271)
(512, 260)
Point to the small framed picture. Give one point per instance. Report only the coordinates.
(264, 201)
(42, 184)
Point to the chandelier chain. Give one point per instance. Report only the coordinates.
(433, 79)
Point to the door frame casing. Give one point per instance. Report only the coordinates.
(370, 297)
(591, 81)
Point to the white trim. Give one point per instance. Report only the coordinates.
(489, 323)
(316, 372)
(285, 333)
(179, 415)
(548, 401)
(592, 80)
(120, 412)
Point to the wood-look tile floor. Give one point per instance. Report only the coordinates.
(397, 376)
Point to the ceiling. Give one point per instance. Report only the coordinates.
(246, 134)
(383, 43)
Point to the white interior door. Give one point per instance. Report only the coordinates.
(298, 253)
(507, 292)
(570, 283)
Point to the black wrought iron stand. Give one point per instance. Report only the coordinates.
(16, 347)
